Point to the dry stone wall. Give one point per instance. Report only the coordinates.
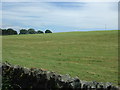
(19, 78)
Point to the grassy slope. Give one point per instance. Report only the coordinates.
(89, 55)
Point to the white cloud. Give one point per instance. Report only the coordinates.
(0, 14)
(60, 0)
(89, 15)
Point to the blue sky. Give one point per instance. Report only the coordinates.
(60, 16)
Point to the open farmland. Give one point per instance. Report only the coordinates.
(89, 55)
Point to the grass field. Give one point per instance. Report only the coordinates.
(89, 55)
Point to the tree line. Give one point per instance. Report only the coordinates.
(11, 31)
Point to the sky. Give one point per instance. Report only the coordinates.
(59, 16)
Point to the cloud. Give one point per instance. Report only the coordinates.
(60, 16)
(60, 0)
(0, 14)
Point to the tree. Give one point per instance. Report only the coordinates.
(40, 32)
(31, 31)
(15, 33)
(48, 31)
(23, 31)
(4, 32)
(0, 31)
(10, 31)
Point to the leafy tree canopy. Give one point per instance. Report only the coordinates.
(48, 31)
(39, 32)
(31, 31)
(23, 31)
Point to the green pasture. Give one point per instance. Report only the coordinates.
(92, 55)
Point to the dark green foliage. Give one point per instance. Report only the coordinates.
(3, 31)
(48, 31)
(0, 31)
(16, 77)
(40, 32)
(8, 31)
(31, 31)
(23, 31)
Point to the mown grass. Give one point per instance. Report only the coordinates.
(89, 55)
